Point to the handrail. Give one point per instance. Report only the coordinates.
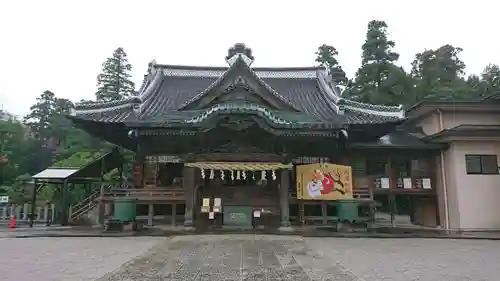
(85, 201)
(144, 192)
(84, 206)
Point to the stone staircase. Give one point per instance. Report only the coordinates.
(84, 207)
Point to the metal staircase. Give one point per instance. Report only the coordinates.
(84, 207)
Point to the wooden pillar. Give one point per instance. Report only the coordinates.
(392, 185)
(174, 213)
(33, 204)
(108, 209)
(285, 212)
(101, 207)
(150, 214)
(302, 215)
(138, 171)
(324, 212)
(64, 205)
(188, 184)
(46, 213)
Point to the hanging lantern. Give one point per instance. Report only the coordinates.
(203, 173)
(273, 174)
(238, 175)
(212, 174)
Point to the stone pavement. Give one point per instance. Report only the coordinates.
(67, 259)
(230, 257)
(247, 257)
(264, 257)
(413, 259)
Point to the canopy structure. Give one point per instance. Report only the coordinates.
(89, 172)
(92, 171)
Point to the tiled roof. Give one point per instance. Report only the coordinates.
(466, 130)
(168, 89)
(398, 139)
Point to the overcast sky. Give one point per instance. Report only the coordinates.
(60, 45)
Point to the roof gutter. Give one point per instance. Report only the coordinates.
(443, 176)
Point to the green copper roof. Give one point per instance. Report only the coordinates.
(201, 118)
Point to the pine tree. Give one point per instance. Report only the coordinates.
(378, 80)
(326, 56)
(438, 74)
(114, 82)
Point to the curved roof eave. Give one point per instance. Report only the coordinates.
(340, 104)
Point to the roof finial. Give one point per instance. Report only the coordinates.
(239, 50)
(151, 66)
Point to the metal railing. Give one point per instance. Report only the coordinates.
(145, 194)
(83, 207)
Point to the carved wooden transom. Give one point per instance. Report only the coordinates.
(236, 122)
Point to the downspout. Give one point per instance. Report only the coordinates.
(443, 176)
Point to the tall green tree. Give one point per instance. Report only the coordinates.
(14, 148)
(379, 80)
(488, 83)
(38, 119)
(114, 83)
(438, 74)
(326, 56)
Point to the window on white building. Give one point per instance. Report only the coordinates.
(481, 164)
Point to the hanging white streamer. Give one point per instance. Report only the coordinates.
(273, 174)
(212, 174)
(238, 175)
(222, 174)
(232, 175)
(203, 173)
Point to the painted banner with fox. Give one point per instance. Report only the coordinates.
(324, 182)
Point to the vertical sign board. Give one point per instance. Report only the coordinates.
(324, 182)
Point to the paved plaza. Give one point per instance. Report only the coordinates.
(247, 257)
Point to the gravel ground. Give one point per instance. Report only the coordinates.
(247, 257)
(413, 259)
(67, 259)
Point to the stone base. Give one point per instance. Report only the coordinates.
(285, 223)
(188, 223)
(285, 229)
(189, 228)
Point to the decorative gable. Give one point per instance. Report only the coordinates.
(240, 83)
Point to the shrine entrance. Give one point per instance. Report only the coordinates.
(238, 195)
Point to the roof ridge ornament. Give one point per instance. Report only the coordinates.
(239, 50)
(152, 67)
